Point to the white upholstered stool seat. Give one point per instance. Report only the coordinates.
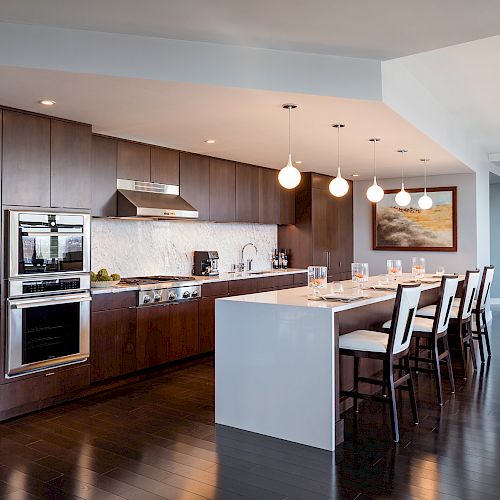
(430, 311)
(364, 340)
(420, 325)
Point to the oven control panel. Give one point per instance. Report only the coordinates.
(21, 287)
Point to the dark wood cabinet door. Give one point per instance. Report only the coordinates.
(134, 161)
(26, 160)
(243, 287)
(269, 207)
(164, 166)
(195, 182)
(70, 146)
(222, 190)
(345, 232)
(287, 206)
(113, 343)
(103, 177)
(57, 385)
(183, 330)
(247, 193)
(206, 317)
(320, 226)
(153, 331)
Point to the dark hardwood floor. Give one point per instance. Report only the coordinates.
(157, 439)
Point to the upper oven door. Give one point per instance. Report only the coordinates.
(48, 243)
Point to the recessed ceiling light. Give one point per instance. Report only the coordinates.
(47, 102)
(298, 162)
(355, 175)
(210, 141)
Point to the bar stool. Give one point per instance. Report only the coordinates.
(387, 347)
(480, 323)
(434, 330)
(461, 317)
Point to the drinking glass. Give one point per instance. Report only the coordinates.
(418, 267)
(316, 278)
(359, 271)
(440, 271)
(336, 288)
(394, 268)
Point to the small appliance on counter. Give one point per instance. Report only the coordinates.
(206, 263)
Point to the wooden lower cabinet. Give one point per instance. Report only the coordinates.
(183, 326)
(206, 318)
(113, 343)
(152, 335)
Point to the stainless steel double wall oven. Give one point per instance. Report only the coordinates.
(48, 305)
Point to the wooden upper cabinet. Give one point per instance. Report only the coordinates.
(222, 190)
(247, 193)
(103, 176)
(70, 145)
(26, 160)
(345, 231)
(287, 206)
(134, 161)
(164, 166)
(269, 206)
(195, 182)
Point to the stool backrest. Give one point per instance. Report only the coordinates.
(403, 317)
(471, 286)
(485, 287)
(449, 285)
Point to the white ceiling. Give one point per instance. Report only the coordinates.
(363, 28)
(248, 125)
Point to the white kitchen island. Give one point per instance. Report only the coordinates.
(277, 361)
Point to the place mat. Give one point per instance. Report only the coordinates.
(334, 297)
(387, 288)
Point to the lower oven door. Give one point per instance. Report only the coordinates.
(47, 331)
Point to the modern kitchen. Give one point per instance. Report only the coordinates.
(220, 279)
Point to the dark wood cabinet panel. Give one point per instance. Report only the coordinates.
(222, 190)
(287, 206)
(103, 176)
(320, 227)
(70, 146)
(26, 160)
(206, 325)
(244, 286)
(164, 165)
(345, 232)
(195, 182)
(113, 343)
(153, 332)
(217, 289)
(183, 336)
(107, 301)
(269, 206)
(134, 161)
(59, 384)
(300, 279)
(247, 193)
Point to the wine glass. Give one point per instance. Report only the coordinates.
(440, 271)
(394, 268)
(316, 278)
(418, 267)
(359, 271)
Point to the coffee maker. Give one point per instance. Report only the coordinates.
(206, 263)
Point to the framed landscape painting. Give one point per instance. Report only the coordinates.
(411, 228)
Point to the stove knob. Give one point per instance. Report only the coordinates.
(157, 297)
(172, 296)
(147, 299)
(185, 295)
(194, 294)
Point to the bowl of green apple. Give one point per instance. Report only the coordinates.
(102, 279)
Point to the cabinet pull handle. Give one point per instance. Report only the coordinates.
(50, 374)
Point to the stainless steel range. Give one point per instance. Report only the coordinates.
(158, 289)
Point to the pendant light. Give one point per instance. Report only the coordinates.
(403, 198)
(425, 201)
(289, 176)
(338, 185)
(374, 193)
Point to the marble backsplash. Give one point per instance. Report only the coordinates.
(138, 248)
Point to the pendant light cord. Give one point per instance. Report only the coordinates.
(338, 147)
(402, 168)
(289, 133)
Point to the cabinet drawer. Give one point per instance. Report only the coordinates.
(62, 382)
(218, 289)
(284, 281)
(116, 300)
(300, 279)
(244, 286)
(267, 283)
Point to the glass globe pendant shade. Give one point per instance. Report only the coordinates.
(289, 176)
(338, 185)
(425, 201)
(374, 193)
(403, 198)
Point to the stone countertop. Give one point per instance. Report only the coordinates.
(206, 279)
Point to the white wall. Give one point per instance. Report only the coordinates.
(465, 258)
(138, 248)
(495, 236)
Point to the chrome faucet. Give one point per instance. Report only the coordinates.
(248, 266)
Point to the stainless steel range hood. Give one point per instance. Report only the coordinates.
(150, 200)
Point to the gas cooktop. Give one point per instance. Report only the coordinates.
(156, 280)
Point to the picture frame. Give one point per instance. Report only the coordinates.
(413, 229)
